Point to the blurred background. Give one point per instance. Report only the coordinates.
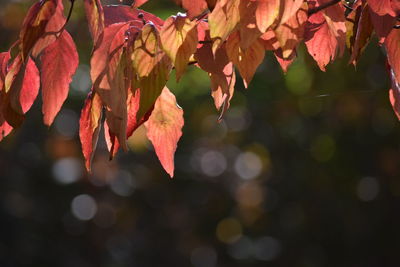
(303, 171)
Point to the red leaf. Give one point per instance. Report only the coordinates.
(325, 35)
(381, 7)
(5, 128)
(21, 89)
(117, 14)
(89, 126)
(362, 31)
(59, 63)
(164, 129)
(194, 7)
(107, 73)
(4, 59)
(394, 94)
(35, 24)
(95, 16)
(52, 30)
(383, 24)
(138, 3)
(392, 44)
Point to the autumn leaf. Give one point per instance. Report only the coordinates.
(89, 126)
(138, 3)
(194, 7)
(266, 13)
(249, 32)
(164, 129)
(5, 128)
(285, 62)
(383, 24)
(34, 25)
(152, 66)
(179, 41)
(325, 35)
(392, 44)
(20, 91)
(59, 63)
(291, 33)
(382, 7)
(95, 17)
(221, 73)
(222, 88)
(223, 20)
(118, 13)
(107, 73)
(288, 9)
(362, 31)
(247, 61)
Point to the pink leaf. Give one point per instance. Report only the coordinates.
(59, 63)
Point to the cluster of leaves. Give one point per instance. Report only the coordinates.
(134, 53)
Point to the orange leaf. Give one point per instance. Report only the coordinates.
(247, 60)
(164, 129)
(59, 63)
(89, 126)
(179, 41)
(290, 33)
(325, 35)
(223, 20)
(266, 13)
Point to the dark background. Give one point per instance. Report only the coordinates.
(303, 171)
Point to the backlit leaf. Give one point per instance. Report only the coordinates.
(95, 17)
(223, 20)
(59, 63)
(164, 129)
(35, 24)
(392, 44)
(247, 60)
(179, 41)
(89, 126)
(266, 13)
(325, 35)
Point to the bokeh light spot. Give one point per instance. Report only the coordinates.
(367, 188)
(248, 165)
(229, 230)
(84, 207)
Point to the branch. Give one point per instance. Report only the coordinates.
(321, 7)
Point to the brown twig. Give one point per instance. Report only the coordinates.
(321, 7)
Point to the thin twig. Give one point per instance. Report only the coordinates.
(321, 7)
